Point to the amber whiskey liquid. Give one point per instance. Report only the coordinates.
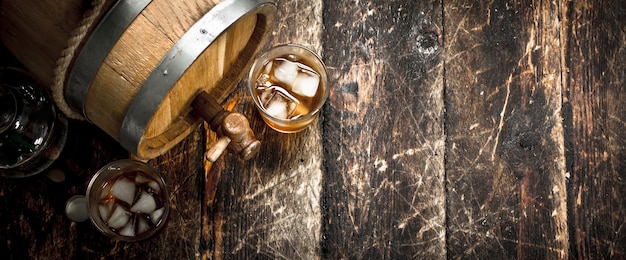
(288, 85)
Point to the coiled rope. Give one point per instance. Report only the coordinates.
(67, 55)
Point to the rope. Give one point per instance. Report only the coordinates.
(67, 55)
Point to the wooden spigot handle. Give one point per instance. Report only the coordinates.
(233, 129)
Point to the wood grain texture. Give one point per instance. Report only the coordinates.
(51, 20)
(505, 162)
(383, 190)
(595, 110)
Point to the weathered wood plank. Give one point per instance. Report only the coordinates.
(383, 189)
(505, 163)
(596, 110)
(269, 207)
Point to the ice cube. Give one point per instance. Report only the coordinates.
(291, 108)
(265, 95)
(263, 81)
(142, 225)
(119, 218)
(277, 106)
(124, 189)
(128, 230)
(105, 191)
(105, 210)
(268, 67)
(141, 178)
(306, 84)
(156, 215)
(154, 186)
(286, 72)
(145, 204)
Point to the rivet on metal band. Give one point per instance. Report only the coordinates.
(97, 47)
(175, 63)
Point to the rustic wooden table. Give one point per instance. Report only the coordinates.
(453, 130)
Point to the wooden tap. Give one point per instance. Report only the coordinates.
(233, 129)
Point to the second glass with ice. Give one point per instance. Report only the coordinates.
(127, 200)
(289, 86)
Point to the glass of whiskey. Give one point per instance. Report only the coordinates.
(288, 84)
(127, 200)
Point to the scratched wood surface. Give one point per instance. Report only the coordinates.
(595, 112)
(453, 129)
(383, 188)
(505, 168)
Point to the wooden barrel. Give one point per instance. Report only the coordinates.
(140, 67)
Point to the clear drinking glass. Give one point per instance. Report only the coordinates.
(288, 84)
(127, 200)
(32, 133)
